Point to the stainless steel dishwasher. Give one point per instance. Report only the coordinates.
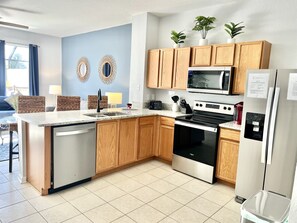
(74, 152)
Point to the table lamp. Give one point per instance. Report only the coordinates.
(55, 90)
(114, 98)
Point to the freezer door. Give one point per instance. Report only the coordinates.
(250, 170)
(280, 173)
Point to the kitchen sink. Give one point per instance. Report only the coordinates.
(99, 115)
(114, 113)
(95, 115)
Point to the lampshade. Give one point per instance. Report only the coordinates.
(55, 89)
(114, 98)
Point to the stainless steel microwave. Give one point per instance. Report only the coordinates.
(213, 80)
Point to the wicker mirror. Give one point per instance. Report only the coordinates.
(83, 69)
(107, 69)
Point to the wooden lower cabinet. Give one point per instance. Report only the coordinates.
(107, 146)
(227, 157)
(165, 138)
(146, 137)
(128, 141)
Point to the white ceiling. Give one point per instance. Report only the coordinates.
(70, 17)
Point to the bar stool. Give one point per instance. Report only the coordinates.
(93, 101)
(68, 103)
(26, 104)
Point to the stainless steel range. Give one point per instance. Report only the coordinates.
(196, 138)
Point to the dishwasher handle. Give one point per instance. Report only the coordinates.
(75, 132)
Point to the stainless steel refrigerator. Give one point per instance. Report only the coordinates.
(268, 140)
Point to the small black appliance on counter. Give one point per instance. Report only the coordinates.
(155, 105)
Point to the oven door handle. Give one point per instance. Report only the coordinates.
(196, 126)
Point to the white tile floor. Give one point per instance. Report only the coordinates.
(148, 192)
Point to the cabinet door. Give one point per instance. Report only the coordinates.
(166, 68)
(153, 68)
(181, 65)
(227, 160)
(201, 56)
(223, 55)
(128, 141)
(227, 157)
(107, 146)
(249, 55)
(165, 141)
(146, 137)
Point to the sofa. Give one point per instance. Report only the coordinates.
(5, 108)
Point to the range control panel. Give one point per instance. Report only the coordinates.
(227, 109)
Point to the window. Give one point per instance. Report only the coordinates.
(17, 69)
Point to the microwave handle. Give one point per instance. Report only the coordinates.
(221, 79)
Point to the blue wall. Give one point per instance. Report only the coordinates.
(114, 41)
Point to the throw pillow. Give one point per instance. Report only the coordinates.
(13, 100)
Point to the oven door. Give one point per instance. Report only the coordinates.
(195, 150)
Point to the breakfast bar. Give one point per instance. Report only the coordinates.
(36, 138)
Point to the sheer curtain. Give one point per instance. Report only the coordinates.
(2, 68)
(33, 70)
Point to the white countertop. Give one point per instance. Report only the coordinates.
(78, 116)
(231, 125)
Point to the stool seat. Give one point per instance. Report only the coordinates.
(265, 207)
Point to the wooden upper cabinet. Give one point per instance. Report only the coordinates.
(153, 68)
(201, 56)
(249, 55)
(166, 68)
(223, 55)
(146, 137)
(107, 146)
(128, 141)
(180, 70)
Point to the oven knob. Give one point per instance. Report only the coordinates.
(197, 104)
(224, 108)
(201, 105)
(229, 108)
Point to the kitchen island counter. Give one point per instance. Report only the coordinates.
(36, 138)
(231, 125)
(44, 119)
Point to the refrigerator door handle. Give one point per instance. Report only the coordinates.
(266, 124)
(272, 124)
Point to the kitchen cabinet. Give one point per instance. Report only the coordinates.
(168, 68)
(223, 55)
(180, 70)
(128, 140)
(107, 145)
(249, 55)
(165, 138)
(201, 56)
(146, 137)
(227, 156)
(153, 68)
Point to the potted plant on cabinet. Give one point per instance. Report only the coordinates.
(203, 25)
(178, 38)
(233, 30)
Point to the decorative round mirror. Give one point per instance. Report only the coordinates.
(107, 69)
(83, 69)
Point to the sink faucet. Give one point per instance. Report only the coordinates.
(99, 99)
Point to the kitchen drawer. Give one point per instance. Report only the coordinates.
(146, 120)
(230, 134)
(166, 121)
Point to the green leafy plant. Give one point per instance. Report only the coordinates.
(204, 24)
(234, 29)
(178, 37)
